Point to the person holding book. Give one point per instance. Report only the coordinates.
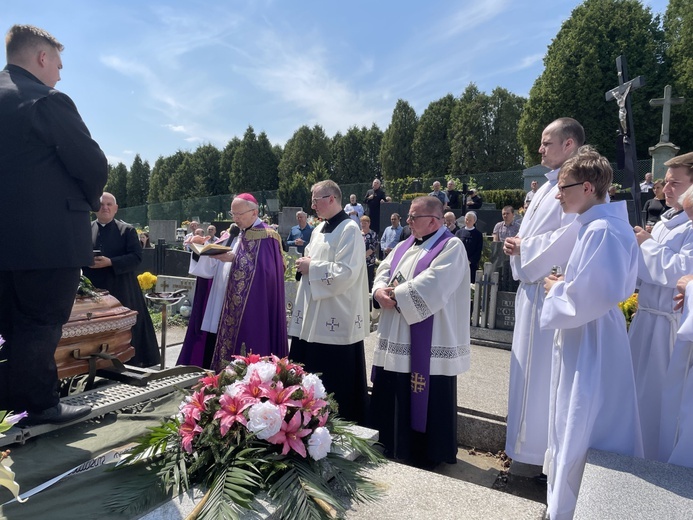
(246, 307)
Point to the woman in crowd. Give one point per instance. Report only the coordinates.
(654, 207)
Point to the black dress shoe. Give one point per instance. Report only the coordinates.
(58, 414)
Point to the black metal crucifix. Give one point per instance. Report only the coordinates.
(626, 132)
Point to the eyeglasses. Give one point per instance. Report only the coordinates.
(231, 213)
(315, 200)
(563, 188)
(414, 217)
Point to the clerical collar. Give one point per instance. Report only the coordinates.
(419, 241)
(333, 222)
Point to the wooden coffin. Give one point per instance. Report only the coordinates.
(102, 325)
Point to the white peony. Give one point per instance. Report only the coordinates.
(234, 389)
(265, 419)
(314, 382)
(319, 443)
(264, 369)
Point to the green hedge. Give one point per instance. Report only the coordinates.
(501, 198)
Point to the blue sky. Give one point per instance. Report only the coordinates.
(152, 77)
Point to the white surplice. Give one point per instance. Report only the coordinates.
(209, 267)
(592, 401)
(332, 301)
(661, 262)
(676, 433)
(548, 236)
(441, 291)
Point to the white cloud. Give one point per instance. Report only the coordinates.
(470, 16)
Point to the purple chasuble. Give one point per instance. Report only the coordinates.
(254, 310)
(421, 336)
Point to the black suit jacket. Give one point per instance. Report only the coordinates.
(52, 174)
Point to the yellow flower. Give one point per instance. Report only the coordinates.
(146, 280)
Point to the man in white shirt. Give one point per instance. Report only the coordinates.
(648, 184)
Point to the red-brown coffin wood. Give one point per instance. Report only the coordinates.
(94, 323)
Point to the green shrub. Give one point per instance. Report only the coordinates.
(501, 198)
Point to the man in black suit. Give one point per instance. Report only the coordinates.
(52, 173)
(374, 198)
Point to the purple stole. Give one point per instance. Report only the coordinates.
(421, 336)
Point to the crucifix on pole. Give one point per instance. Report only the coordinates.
(626, 132)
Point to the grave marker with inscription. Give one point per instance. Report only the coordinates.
(505, 310)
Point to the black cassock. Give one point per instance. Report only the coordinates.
(118, 241)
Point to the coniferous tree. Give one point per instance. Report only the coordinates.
(678, 27)
(396, 155)
(580, 66)
(117, 183)
(432, 139)
(138, 182)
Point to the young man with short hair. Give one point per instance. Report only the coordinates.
(592, 393)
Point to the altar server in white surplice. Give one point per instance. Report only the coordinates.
(592, 396)
(331, 316)
(545, 239)
(665, 256)
(422, 288)
(676, 434)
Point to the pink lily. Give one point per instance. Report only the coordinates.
(231, 411)
(281, 396)
(188, 430)
(290, 436)
(255, 388)
(196, 405)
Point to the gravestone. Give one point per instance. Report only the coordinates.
(173, 283)
(165, 229)
(535, 173)
(505, 310)
(287, 220)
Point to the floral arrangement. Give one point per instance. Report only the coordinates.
(629, 308)
(146, 280)
(86, 289)
(261, 424)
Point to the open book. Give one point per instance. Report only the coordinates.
(209, 249)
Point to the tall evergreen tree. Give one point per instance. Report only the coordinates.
(117, 183)
(226, 162)
(138, 182)
(432, 139)
(580, 66)
(268, 164)
(470, 130)
(504, 149)
(349, 157)
(244, 167)
(372, 142)
(396, 155)
(208, 178)
(678, 27)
